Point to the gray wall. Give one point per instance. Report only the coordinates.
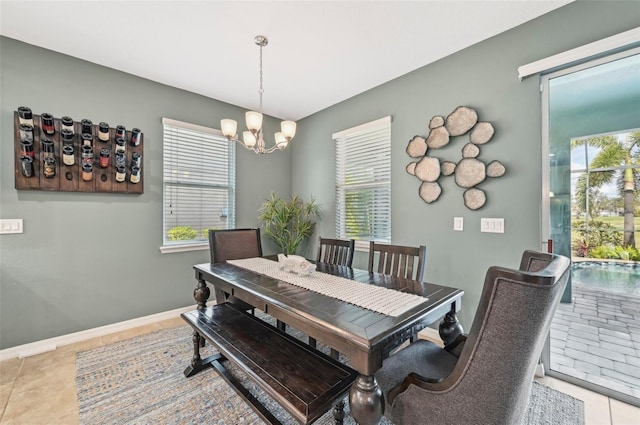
(87, 260)
(483, 77)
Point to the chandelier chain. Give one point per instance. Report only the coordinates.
(261, 88)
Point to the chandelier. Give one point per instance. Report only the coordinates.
(252, 139)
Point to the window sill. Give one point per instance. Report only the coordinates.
(170, 249)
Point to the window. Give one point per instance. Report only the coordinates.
(363, 182)
(198, 183)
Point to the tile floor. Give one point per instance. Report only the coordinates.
(40, 390)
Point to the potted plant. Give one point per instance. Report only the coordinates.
(288, 223)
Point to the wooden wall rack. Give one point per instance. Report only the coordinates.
(68, 178)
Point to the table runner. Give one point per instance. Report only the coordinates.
(381, 300)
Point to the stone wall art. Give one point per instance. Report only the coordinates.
(468, 172)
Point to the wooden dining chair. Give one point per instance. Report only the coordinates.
(336, 251)
(234, 244)
(407, 262)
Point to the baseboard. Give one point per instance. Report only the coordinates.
(51, 344)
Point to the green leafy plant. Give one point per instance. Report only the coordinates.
(615, 252)
(182, 233)
(288, 223)
(204, 233)
(600, 233)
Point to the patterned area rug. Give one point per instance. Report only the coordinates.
(140, 381)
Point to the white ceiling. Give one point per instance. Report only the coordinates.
(319, 52)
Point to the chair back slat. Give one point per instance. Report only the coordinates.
(397, 260)
(336, 251)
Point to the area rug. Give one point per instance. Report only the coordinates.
(140, 381)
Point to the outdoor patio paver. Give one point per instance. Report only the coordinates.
(597, 338)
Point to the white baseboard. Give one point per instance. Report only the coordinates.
(51, 344)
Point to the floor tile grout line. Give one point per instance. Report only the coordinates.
(13, 385)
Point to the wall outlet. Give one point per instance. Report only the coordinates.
(492, 225)
(458, 223)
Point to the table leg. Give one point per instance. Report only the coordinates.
(366, 400)
(450, 327)
(201, 294)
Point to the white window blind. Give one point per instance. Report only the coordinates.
(363, 182)
(198, 182)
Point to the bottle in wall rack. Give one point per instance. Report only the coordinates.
(68, 158)
(104, 160)
(66, 136)
(87, 139)
(47, 148)
(86, 126)
(121, 173)
(47, 124)
(87, 172)
(66, 123)
(26, 132)
(136, 160)
(103, 132)
(135, 175)
(121, 132)
(49, 167)
(87, 154)
(136, 134)
(25, 116)
(26, 166)
(121, 146)
(26, 148)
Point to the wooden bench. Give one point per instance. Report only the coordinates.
(303, 380)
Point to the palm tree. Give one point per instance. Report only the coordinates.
(614, 153)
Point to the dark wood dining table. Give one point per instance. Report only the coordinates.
(365, 337)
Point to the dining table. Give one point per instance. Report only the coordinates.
(363, 315)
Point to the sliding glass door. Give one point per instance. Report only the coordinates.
(591, 211)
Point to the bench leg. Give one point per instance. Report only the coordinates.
(312, 343)
(338, 412)
(198, 363)
(196, 360)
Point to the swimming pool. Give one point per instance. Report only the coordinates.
(608, 275)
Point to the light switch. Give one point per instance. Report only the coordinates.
(458, 223)
(492, 225)
(11, 225)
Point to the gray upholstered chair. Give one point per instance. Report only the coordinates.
(485, 377)
(397, 260)
(336, 251)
